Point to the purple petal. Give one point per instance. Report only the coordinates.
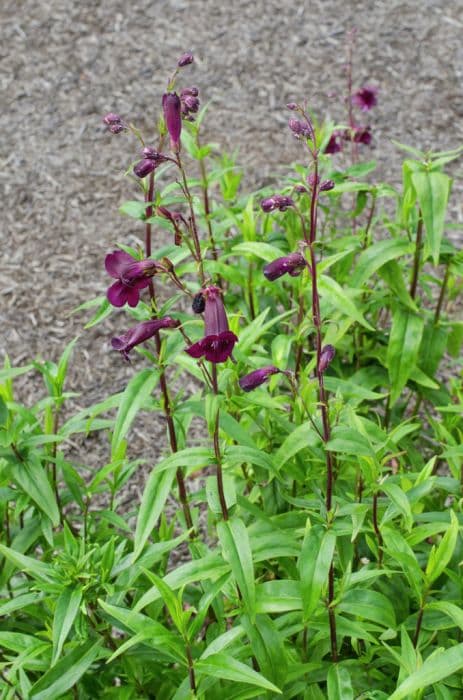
(117, 294)
(133, 296)
(116, 261)
(196, 350)
(219, 347)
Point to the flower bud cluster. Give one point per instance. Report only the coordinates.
(276, 201)
(189, 102)
(115, 123)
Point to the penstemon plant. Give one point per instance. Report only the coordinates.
(315, 550)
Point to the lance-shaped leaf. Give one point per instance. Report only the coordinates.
(224, 666)
(152, 503)
(432, 190)
(441, 664)
(314, 565)
(133, 399)
(403, 348)
(66, 611)
(236, 548)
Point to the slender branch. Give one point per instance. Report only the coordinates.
(218, 456)
(442, 292)
(417, 256)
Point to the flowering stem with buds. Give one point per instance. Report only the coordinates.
(182, 492)
(319, 370)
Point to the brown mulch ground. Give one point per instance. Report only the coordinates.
(64, 64)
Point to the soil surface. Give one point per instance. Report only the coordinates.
(64, 64)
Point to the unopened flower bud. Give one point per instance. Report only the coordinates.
(292, 106)
(326, 356)
(259, 376)
(114, 123)
(185, 59)
(144, 167)
(198, 303)
(313, 180)
(300, 189)
(291, 264)
(172, 114)
(299, 129)
(327, 185)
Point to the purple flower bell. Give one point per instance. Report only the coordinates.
(257, 377)
(172, 107)
(150, 161)
(141, 332)
(132, 275)
(366, 98)
(334, 145)
(218, 342)
(291, 264)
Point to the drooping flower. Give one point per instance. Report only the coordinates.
(257, 377)
(334, 145)
(326, 356)
(362, 134)
(291, 264)
(141, 332)
(366, 98)
(171, 106)
(276, 201)
(185, 59)
(218, 341)
(150, 160)
(175, 219)
(132, 275)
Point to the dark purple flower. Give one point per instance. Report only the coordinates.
(276, 201)
(185, 59)
(326, 356)
(334, 145)
(141, 332)
(299, 129)
(291, 264)
(172, 114)
(132, 275)
(362, 134)
(114, 122)
(257, 377)
(366, 98)
(218, 342)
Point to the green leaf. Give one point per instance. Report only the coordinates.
(403, 348)
(59, 679)
(259, 249)
(333, 294)
(378, 255)
(257, 328)
(104, 310)
(441, 664)
(339, 684)
(432, 190)
(314, 564)
(401, 503)
(38, 569)
(171, 601)
(236, 548)
(67, 607)
(133, 399)
(212, 493)
(154, 497)
(267, 647)
(439, 557)
(454, 612)
(371, 605)
(134, 209)
(63, 364)
(300, 438)
(224, 666)
(30, 476)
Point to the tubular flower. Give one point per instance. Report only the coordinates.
(132, 275)
(218, 342)
(326, 356)
(141, 332)
(257, 377)
(334, 145)
(172, 106)
(366, 98)
(291, 264)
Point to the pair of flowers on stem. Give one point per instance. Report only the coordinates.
(218, 342)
